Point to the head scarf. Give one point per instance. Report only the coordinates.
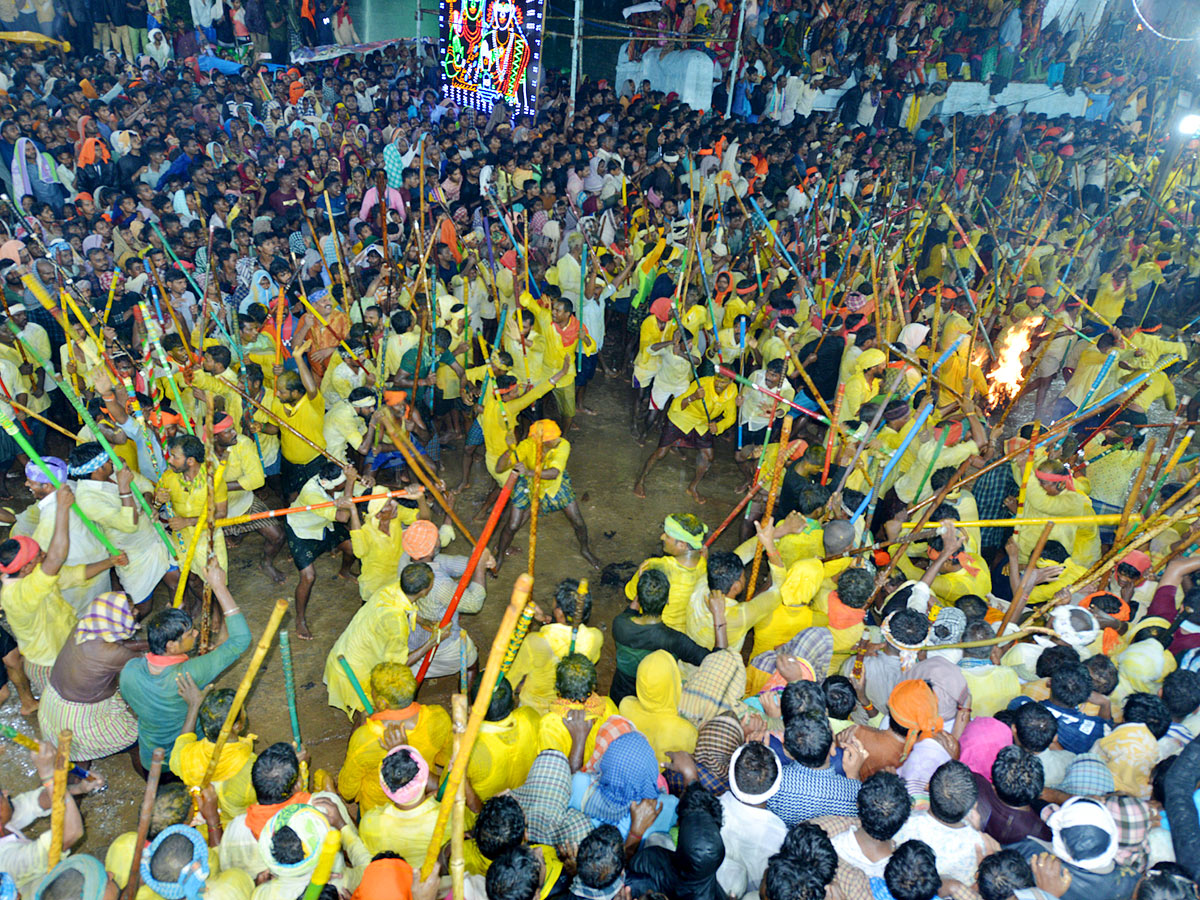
(57, 468)
(1081, 813)
(627, 772)
(675, 530)
(1132, 818)
(545, 430)
(716, 741)
(95, 878)
(93, 150)
(12, 250)
(87, 468)
(981, 742)
(1130, 752)
(661, 309)
(1087, 776)
(908, 652)
(869, 359)
(420, 539)
(912, 705)
(122, 142)
(310, 826)
(659, 684)
(718, 685)
(385, 878)
(1144, 664)
(411, 792)
(108, 618)
(1062, 621)
(948, 627)
(22, 179)
(813, 646)
(27, 551)
(190, 883)
(1138, 559)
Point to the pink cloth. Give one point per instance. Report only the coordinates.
(981, 741)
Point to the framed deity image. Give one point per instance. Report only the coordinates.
(491, 50)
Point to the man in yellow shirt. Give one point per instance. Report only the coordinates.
(426, 727)
(684, 564)
(244, 475)
(554, 488)
(501, 406)
(693, 420)
(216, 378)
(298, 405)
(31, 597)
(403, 826)
(507, 744)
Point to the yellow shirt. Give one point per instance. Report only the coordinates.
(683, 581)
(190, 758)
(429, 731)
(553, 734)
(219, 386)
(498, 416)
(38, 616)
(344, 430)
(403, 831)
(794, 613)
(377, 633)
(553, 458)
(1091, 361)
(538, 658)
(1110, 299)
(307, 417)
(503, 753)
(243, 466)
(654, 711)
(707, 406)
(380, 554)
(189, 499)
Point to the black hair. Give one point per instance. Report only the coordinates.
(189, 445)
(1181, 693)
(500, 826)
(1158, 778)
(909, 626)
(1103, 673)
(1070, 684)
(398, 769)
(724, 570)
(83, 453)
(653, 589)
(952, 792)
(565, 597)
(756, 768)
(286, 847)
(1017, 776)
(173, 855)
(415, 578)
(801, 698)
(165, 626)
(883, 805)
(1164, 886)
(1003, 873)
(1053, 658)
(69, 885)
(855, 587)
(840, 696)
(575, 677)
(808, 844)
(514, 875)
(911, 872)
(787, 879)
(501, 704)
(220, 354)
(1055, 552)
(808, 739)
(1149, 710)
(274, 773)
(600, 859)
(1035, 727)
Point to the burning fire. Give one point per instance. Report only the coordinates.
(1005, 378)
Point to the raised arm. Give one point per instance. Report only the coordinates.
(60, 543)
(312, 387)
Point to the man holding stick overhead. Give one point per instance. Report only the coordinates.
(298, 403)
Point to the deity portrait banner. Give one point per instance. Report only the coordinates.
(491, 50)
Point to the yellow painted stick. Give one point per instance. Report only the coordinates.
(192, 545)
(1100, 519)
(58, 797)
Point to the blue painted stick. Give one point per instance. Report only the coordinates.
(924, 414)
(937, 365)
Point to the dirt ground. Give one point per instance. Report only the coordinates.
(604, 462)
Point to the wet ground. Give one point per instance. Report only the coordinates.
(603, 464)
(624, 529)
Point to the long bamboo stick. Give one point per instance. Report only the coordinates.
(772, 494)
(58, 797)
(520, 596)
(1018, 602)
(193, 544)
(331, 846)
(354, 683)
(143, 828)
(239, 697)
(1134, 491)
(458, 865)
(284, 425)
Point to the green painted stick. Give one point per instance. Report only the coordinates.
(81, 408)
(362, 695)
(23, 442)
(166, 364)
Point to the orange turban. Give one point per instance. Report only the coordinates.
(385, 878)
(913, 705)
(420, 539)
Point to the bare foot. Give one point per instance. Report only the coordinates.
(302, 631)
(513, 548)
(345, 575)
(639, 490)
(587, 411)
(29, 710)
(591, 558)
(273, 573)
(696, 496)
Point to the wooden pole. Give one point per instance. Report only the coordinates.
(210, 510)
(239, 697)
(1131, 500)
(832, 435)
(197, 530)
(772, 494)
(143, 828)
(458, 711)
(58, 797)
(520, 596)
(534, 501)
(401, 443)
(1018, 602)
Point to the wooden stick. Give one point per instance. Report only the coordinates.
(284, 425)
(276, 513)
(1131, 500)
(210, 511)
(1098, 519)
(772, 494)
(520, 596)
(534, 501)
(29, 412)
(239, 697)
(799, 448)
(197, 530)
(1018, 602)
(58, 797)
(331, 846)
(832, 435)
(402, 444)
(458, 712)
(143, 828)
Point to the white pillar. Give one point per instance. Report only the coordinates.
(576, 38)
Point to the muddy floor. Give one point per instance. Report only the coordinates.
(603, 464)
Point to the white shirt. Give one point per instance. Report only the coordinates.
(956, 849)
(751, 836)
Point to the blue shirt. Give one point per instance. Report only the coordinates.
(806, 793)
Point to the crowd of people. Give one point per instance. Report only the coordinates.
(312, 308)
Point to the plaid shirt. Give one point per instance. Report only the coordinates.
(544, 797)
(806, 793)
(990, 490)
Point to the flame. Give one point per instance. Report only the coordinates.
(1005, 379)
